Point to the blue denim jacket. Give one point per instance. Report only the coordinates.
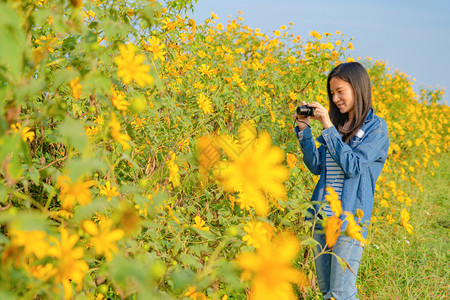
(361, 160)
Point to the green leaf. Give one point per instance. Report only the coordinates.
(344, 264)
(72, 132)
(12, 40)
(6, 295)
(95, 82)
(9, 144)
(3, 195)
(84, 212)
(181, 279)
(189, 260)
(62, 76)
(310, 242)
(26, 220)
(208, 235)
(79, 167)
(14, 167)
(125, 271)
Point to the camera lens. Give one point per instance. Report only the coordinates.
(305, 110)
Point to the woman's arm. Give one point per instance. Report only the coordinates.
(374, 146)
(311, 155)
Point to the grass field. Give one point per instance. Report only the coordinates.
(397, 265)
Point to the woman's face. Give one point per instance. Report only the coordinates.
(343, 96)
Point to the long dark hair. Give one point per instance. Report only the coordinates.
(356, 75)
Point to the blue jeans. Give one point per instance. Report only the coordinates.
(333, 280)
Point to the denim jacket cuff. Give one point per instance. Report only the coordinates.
(303, 134)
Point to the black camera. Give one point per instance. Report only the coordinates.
(305, 110)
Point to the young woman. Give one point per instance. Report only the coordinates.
(353, 149)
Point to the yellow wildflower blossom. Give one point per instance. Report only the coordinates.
(333, 200)
(43, 272)
(174, 176)
(33, 242)
(270, 269)
(254, 167)
(118, 99)
(332, 230)
(76, 87)
(102, 237)
(156, 47)
(70, 265)
(258, 233)
(193, 294)
(130, 67)
(353, 230)
(109, 191)
(291, 160)
(205, 70)
(199, 224)
(74, 191)
(139, 123)
(26, 134)
(204, 103)
(121, 138)
(404, 221)
(208, 154)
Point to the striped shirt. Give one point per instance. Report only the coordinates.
(334, 179)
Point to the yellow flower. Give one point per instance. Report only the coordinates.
(76, 191)
(193, 294)
(291, 160)
(26, 134)
(76, 87)
(353, 230)
(102, 237)
(99, 120)
(118, 99)
(270, 269)
(121, 138)
(404, 221)
(109, 191)
(43, 272)
(70, 265)
(204, 103)
(130, 67)
(208, 154)
(253, 169)
(156, 47)
(174, 176)
(333, 199)
(199, 224)
(139, 123)
(359, 214)
(332, 230)
(258, 233)
(205, 70)
(33, 241)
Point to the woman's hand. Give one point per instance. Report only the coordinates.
(301, 121)
(321, 114)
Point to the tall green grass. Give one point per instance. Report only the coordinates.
(396, 265)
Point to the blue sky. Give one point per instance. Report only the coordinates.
(411, 36)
